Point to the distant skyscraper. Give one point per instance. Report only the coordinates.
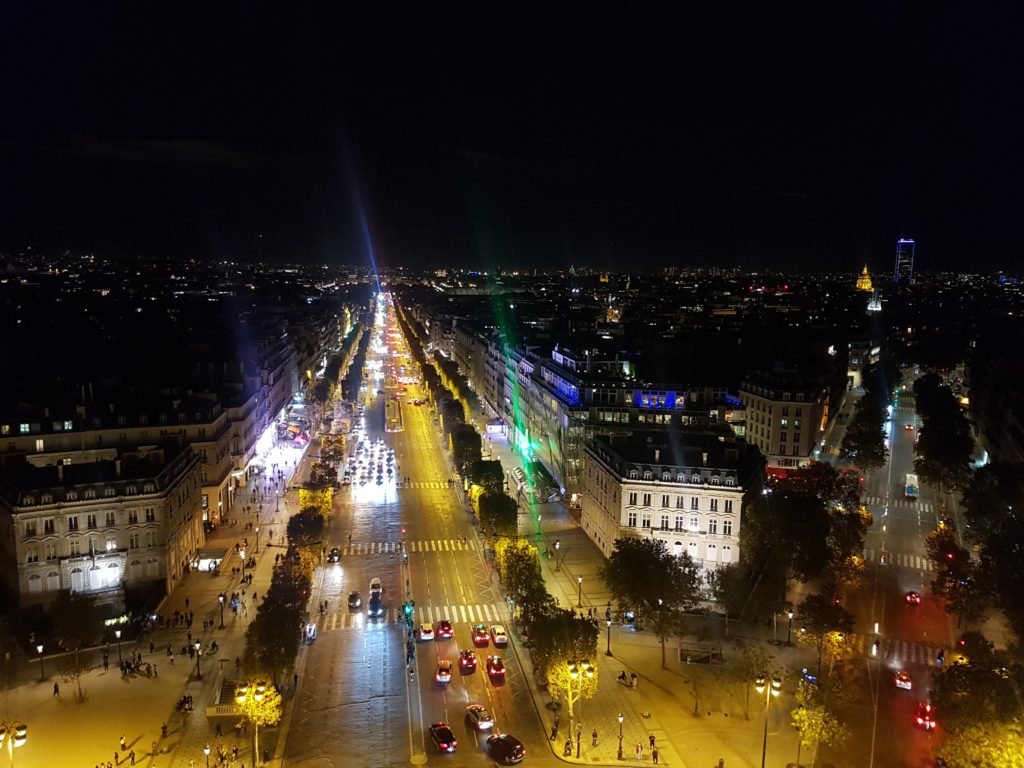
(904, 272)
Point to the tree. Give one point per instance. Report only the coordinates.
(573, 682)
(272, 639)
(743, 669)
(488, 475)
(744, 592)
(991, 495)
(789, 527)
(499, 514)
(306, 528)
(261, 705)
(642, 573)
(827, 626)
(322, 474)
(864, 438)
(518, 564)
(1000, 555)
(944, 442)
(814, 724)
(559, 637)
(77, 624)
(465, 442)
(986, 744)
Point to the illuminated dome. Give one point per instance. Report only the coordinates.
(864, 281)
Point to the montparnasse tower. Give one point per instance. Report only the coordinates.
(864, 281)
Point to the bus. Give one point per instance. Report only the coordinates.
(910, 487)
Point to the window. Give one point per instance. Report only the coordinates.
(783, 423)
(73, 523)
(68, 426)
(133, 541)
(32, 555)
(72, 496)
(716, 480)
(130, 490)
(694, 503)
(783, 438)
(631, 519)
(796, 437)
(633, 474)
(664, 522)
(74, 547)
(785, 410)
(645, 520)
(111, 520)
(680, 478)
(727, 527)
(664, 500)
(786, 397)
(143, 419)
(111, 544)
(679, 503)
(90, 521)
(39, 445)
(782, 450)
(800, 396)
(150, 516)
(713, 525)
(796, 423)
(90, 494)
(133, 516)
(148, 488)
(726, 554)
(796, 450)
(108, 492)
(120, 421)
(728, 506)
(30, 528)
(799, 411)
(632, 498)
(712, 552)
(694, 523)
(679, 522)
(714, 505)
(48, 525)
(730, 481)
(648, 475)
(647, 500)
(23, 429)
(50, 551)
(151, 539)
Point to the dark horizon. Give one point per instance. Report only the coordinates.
(612, 140)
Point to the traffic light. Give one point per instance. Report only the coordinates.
(407, 608)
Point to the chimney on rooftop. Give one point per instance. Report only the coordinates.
(704, 458)
(657, 455)
(117, 467)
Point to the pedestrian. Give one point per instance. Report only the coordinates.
(639, 751)
(131, 757)
(151, 646)
(632, 679)
(295, 679)
(124, 744)
(117, 758)
(651, 739)
(654, 755)
(593, 738)
(154, 671)
(163, 731)
(56, 690)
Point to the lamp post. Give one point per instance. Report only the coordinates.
(220, 599)
(199, 672)
(206, 751)
(117, 634)
(621, 718)
(257, 539)
(39, 649)
(12, 735)
(579, 594)
(241, 554)
(608, 651)
(769, 689)
(558, 545)
(789, 629)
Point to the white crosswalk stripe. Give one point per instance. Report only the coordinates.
(903, 650)
(457, 614)
(392, 547)
(425, 484)
(898, 503)
(918, 562)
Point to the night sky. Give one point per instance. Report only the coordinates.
(614, 137)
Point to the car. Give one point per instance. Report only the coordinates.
(334, 555)
(426, 631)
(376, 607)
(444, 671)
(479, 718)
(443, 738)
(908, 427)
(903, 680)
(355, 600)
(925, 717)
(505, 749)
(467, 660)
(499, 636)
(376, 586)
(480, 637)
(914, 598)
(496, 667)
(445, 630)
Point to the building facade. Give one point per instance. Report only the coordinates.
(903, 273)
(786, 415)
(94, 522)
(684, 488)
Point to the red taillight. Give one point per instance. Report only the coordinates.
(443, 745)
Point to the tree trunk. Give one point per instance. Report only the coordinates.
(663, 651)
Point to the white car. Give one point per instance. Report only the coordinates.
(499, 636)
(376, 586)
(903, 681)
(479, 718)
(427, 631)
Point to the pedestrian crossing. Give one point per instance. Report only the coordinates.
(918, 562)
(458, 614)
(424, 484)
(394, 547)
(903, 651)
(898, 503)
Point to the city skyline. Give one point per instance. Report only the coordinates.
(328, 140)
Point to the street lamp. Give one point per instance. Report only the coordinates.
(199, 673)
(257, 539)
(249, 693)
(621, 718)
(241, 553)
(206, 751)
(12, 735)
(579, 595)
(220, 599)
(769, 689)
(789, 629)
(608, 652)
(39, 649)
(117, 634)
